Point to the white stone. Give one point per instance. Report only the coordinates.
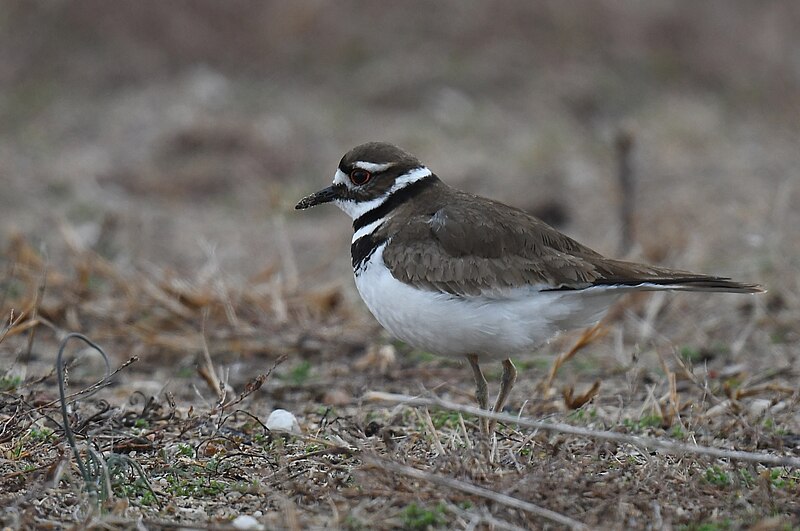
(281, 420)
(245, 521)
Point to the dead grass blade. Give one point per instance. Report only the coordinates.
(37, 300)
(649, 443)
(428, 422)
(15, 326)
(669, 414)
(573, 401)
(19, 328)
(475, 490)
(206, 367)
(589, 335)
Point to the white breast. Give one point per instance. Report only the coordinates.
(491, 327)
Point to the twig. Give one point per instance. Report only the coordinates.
(63, 397)
(338, 450)
(475, 490)
(426, 419)
(99, 384)
(14, 326)
(650, 443)
(251, 387)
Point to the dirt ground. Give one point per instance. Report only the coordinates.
(152, 154)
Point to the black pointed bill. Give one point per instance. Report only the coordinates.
(326, 195)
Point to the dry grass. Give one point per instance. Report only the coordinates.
(151, 157)
(190, 451)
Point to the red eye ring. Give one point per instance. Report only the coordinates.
(360, 176)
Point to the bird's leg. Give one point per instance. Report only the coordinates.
(481, 390)
(507, 382)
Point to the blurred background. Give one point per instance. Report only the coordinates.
(179, 133)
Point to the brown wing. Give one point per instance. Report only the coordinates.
(479, 246)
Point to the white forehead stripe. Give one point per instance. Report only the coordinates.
(373, 167)
(356, 209)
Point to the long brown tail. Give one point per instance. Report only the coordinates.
(684, 283)
(645, 277)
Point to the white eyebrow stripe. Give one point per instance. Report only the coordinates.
(367, 229)
(410, 177)
(372, 166)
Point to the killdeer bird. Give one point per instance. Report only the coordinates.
(460, 275)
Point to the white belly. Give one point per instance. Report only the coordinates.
(491, 327)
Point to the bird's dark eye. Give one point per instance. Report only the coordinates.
(360, 177)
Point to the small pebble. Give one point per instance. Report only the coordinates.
(245, 521)
(281, 420)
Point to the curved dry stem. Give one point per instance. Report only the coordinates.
(83, 467)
